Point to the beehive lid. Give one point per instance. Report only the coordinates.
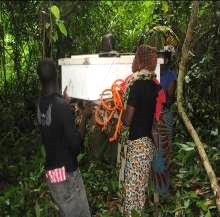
(94, 59)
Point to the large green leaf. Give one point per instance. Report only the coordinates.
(165, 6)
(62, 28)
(202, 204)
(55, 11)
(187, 147)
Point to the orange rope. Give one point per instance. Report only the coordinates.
(109, 107)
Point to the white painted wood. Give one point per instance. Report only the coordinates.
(95, 59)
(86, 76)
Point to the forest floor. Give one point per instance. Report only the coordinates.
(24, 191)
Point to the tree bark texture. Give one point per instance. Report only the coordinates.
(181, 110)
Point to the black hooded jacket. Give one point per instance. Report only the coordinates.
(60, 137)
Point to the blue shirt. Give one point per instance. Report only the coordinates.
(166, 77)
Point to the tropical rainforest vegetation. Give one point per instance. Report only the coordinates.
(32, 30)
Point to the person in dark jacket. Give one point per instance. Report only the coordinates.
(62, 143)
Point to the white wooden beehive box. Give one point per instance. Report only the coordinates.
(86, 76)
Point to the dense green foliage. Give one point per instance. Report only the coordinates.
(31, 30)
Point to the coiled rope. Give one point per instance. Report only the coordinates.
(112, 106)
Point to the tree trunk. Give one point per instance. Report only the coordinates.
(2, 48)
(181, 110)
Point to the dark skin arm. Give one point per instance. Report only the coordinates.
(65, 95)
(171, 90)
(128, 115)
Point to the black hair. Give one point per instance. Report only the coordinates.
(47, 71)
(167, 55)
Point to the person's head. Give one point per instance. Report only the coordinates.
(145, 58)
(167, 61)
(167, 57)
(47, 72)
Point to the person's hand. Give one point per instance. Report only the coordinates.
(65, 95)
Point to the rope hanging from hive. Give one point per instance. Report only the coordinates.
(112, 105)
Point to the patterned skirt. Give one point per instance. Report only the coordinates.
(162, 138)
(137, 169)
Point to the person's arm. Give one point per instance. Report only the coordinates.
(128, 115)
(171, 90)
(131, 105)
(71, 134)
(66, 96)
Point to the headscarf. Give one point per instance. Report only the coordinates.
(143, 67)
(145, 58)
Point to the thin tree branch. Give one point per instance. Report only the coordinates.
(182, 112)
